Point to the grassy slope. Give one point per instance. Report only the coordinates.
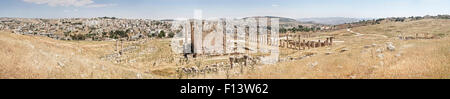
(416, 58)
(38, 57)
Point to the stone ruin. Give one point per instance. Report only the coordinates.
(240, 63)
(119, 51)
(303, 44)
(402, 36)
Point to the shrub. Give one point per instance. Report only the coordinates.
(118, 34)
(78, 37)
(171, 34)
(162, 34)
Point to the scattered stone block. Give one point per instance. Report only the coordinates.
(344, 50)
(379, 51)
(60, 64)
(374, 45)
(390, 46)
(314, 64)
(381, 56)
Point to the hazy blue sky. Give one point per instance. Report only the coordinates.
(221, 8)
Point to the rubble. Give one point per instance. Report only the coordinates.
(381, 56)
(390, 46)
(328, 53)
(344, 50)
(314, 64)
(374, 45)
(398, 55)
(379, 51)
(60, 64)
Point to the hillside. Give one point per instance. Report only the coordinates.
(362, 53)
(282, 19)
(329, 20)
(367, 56)
(42, 57)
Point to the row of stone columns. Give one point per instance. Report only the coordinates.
(119, 42)
(301, 45)
(416, 36)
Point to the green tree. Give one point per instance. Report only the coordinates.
(67, 33)
(78, 37)
(162, 34)
(283, 30)
(171, 34)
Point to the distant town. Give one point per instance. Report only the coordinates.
(110, 28)
(101, 28)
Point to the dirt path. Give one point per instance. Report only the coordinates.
(360, 34)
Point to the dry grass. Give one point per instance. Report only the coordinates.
(411, 59)
(41, 57)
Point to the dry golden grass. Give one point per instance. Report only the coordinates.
(41, 57)
(411, 59)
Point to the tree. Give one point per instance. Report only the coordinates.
(300, 26)
(162, 34)
(171, 34)
(104, 34)
(283, 30)
(293, 29)
(78, 37)
(118, 34)
(67, 33)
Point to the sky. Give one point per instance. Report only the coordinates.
(167, 9)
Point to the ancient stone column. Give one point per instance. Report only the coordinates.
(308, 44)
(416, 35)
(117, 46)
(247, 36)
(287, 40)
(203, 46)
(121, 47)
(231, 61)
(224, 27)
(305, 44)
(246, 59)
(192, 38)
(269, 31)
(331, 41)
(235, 39)
(314, 44)
(319, 45)
(257, 35)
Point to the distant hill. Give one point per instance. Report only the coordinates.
(167, 20)
(329, 20)
(282, 19)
